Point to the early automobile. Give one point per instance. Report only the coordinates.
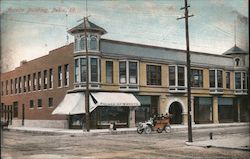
(159, 123)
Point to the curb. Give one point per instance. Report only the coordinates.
(47, 131)
(213, 146)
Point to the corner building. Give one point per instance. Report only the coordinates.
(128, 83)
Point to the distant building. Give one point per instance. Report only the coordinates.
(128, 83)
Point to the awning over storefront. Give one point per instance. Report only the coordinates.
(115, 99)
(74, 103)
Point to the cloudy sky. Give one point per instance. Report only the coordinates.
(30, 29)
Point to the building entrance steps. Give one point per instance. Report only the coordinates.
(174, 128)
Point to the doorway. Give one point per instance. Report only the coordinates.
(176, 110)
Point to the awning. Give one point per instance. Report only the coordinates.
(74, 103)
(115, 99)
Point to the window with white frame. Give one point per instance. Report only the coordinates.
(76, 70)
(109, 71)
(215, 78)
(177, 76)
(81, 70)
(123, 72)
(240, 80)
(93, 43)
(66, 74)
(80, 43)
(94, 69)
(128, 72)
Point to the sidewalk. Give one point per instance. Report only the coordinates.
(174, 128)
(238, 142)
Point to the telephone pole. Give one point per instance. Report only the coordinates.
(186, 16)
(87, 78)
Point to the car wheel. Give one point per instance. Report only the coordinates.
(167, 128)
(159, 130)
(148, 130)
(139, 131)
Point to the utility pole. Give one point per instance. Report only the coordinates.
(87, 78)
(186, 16)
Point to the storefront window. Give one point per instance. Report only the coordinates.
(203, 110)
(108, 115)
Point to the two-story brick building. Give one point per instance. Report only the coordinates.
(128, 83)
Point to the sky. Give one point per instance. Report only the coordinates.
(31, 28)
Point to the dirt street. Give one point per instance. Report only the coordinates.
(19, 145)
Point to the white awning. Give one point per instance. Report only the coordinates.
(115, 99)
(73, 103)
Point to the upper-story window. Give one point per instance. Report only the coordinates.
(94, 69)
(123, 72)
(29, 83)
(16, 85)
(6, 87)
(80, 43)
(80, 70)
(24, 84)
(177, 76)
(215, 79)
(11, 86)
(34, 81)
(109, 71)
(228, 80)
(93, 43)
(128, 72)
(45, 79)
(196, 78)
(2, 91)
(20, 85)
(76, 70)
(237, 62)
(153, 75)
(240, 80)
(39, 81)
(59, 76)
(66, 75)
(51, 78)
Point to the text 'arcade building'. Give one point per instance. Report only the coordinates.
(128, 83)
